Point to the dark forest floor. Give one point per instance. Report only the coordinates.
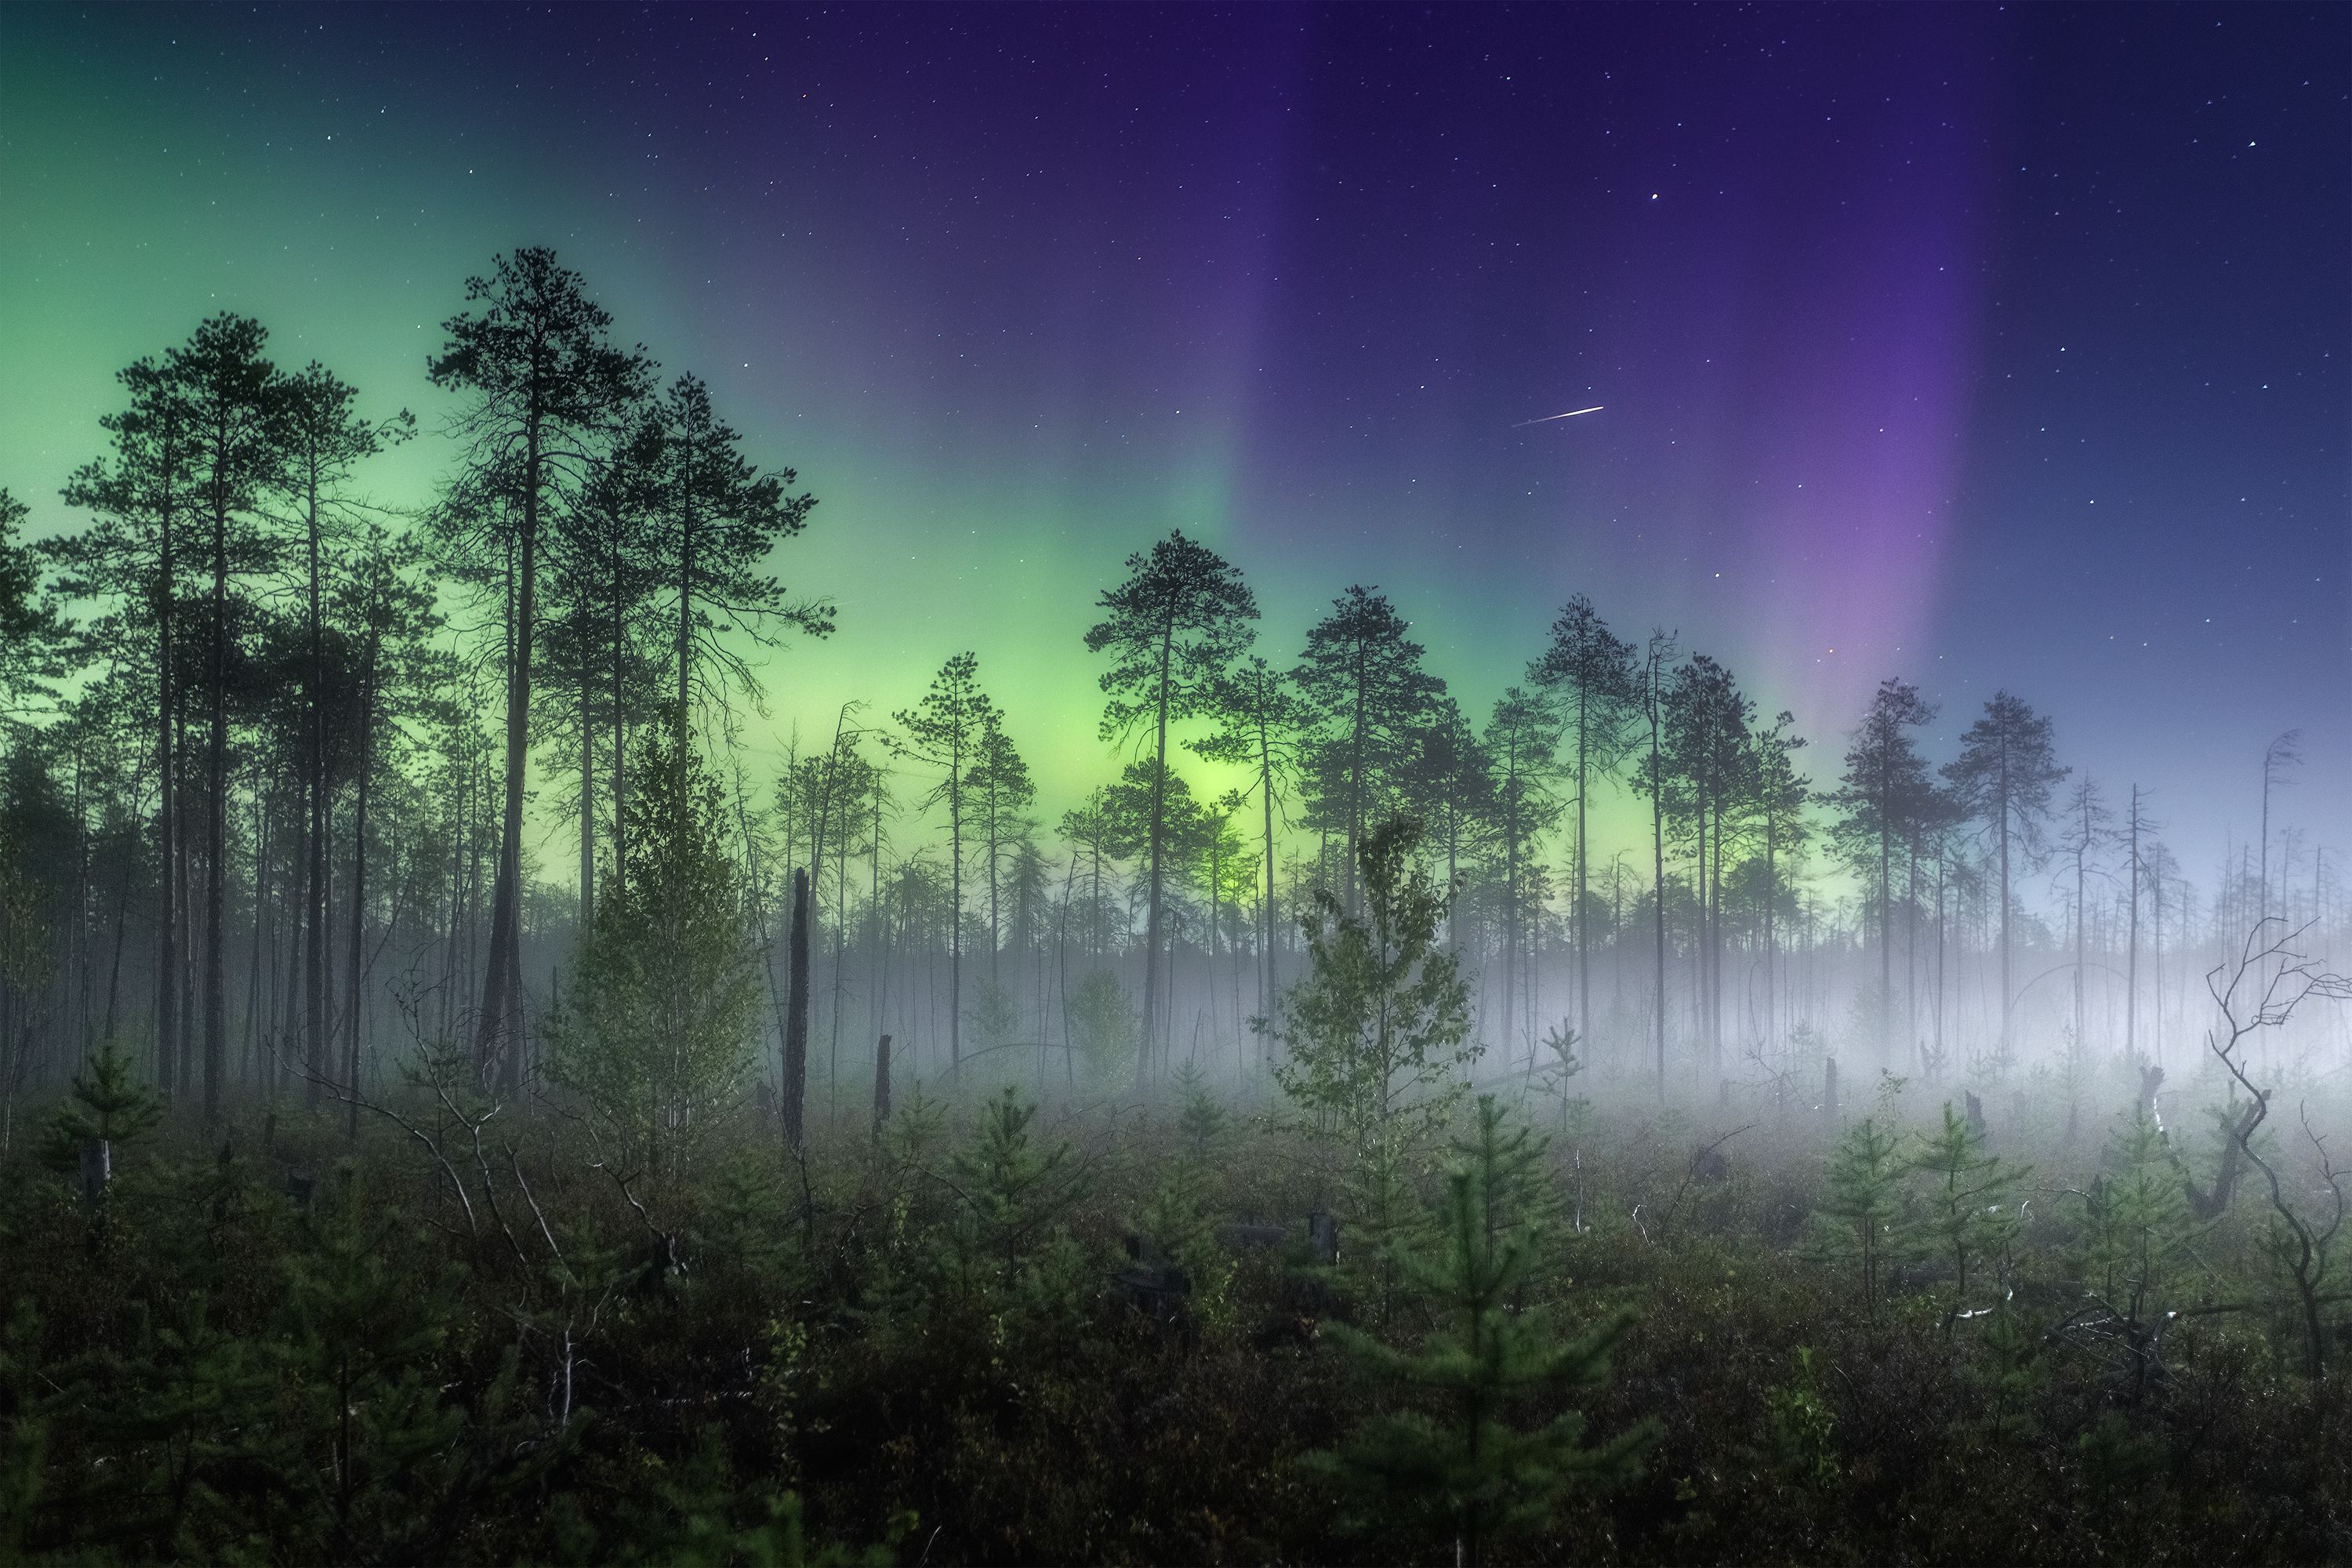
(502, 1360)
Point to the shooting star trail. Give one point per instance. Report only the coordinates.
(1549, 417)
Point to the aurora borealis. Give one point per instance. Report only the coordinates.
(1982, 347)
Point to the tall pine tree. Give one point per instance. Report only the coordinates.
(1172, 629)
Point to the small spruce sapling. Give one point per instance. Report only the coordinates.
(1182, 1217)
(1968, 1219)
(1376, 1035)
(1565, 1064)
(361, 1340)
(1007, 1242)
(2136, 1231)
(1862, 1221)
(1468, 1472)
(106, 1106)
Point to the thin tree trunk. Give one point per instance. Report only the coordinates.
(217, 828)
(1152, 906)
(795, 1084)
(498, 1041)
(167, 823)
(355, 991)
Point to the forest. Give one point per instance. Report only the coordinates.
(463, 1099)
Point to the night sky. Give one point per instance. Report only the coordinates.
(1983, 346)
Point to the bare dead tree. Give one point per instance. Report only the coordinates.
(2270, 978)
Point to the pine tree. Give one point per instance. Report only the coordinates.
(656, 1035)
(1591, 670)
(321, 440)
(1521, 737)
(549, 396)
(1002, 781)
(1707, 757)
(1014, 1194)
(1260, 718)
(1967, 1220)
(1376, 1032)
(1887, 792)
(144, 499)
(1181, 1216)
(1172, 630)
(948, 731)
(1468, 1472)
(177, 1417)
(1781, 797)
(2136, 1231)
(24, 1392)
(359, 1346)
(1102, 1026)
(107, 1106)
(32, 633)
(1364, 677)
(2003, 776)
(720, 519)
(234, 402)
(1861, 1220)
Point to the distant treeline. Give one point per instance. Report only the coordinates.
(293, 777)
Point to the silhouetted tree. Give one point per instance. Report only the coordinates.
(720, 519)
(1448, 780)
(1592, 673)
(1706, 761)
(2002, 777)
(610, 575)
(1651, 780)
(2140, 846)
(1522, 737)
(547, 395)
(234, 405)
(129, 556)
(1172, 629)
(1780, 798)
(1002, 781)
(1261, 721)
(948, 731)
(32, 631)
(1885, 790)
(322, 439)
(2089, 830)
(391, 610)
(1363, 675)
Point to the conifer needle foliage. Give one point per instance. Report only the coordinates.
(655, 1037)
(1461, 1468)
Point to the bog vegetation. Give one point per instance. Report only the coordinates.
(460, 1100)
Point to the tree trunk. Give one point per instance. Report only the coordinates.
(1658, 858)
(795, 1084)
(1151, 904)
(216, 830)
(1583, 938)
(355, 992)
(167, 823)
(499, 1040)
(314, 922)
(587, 815)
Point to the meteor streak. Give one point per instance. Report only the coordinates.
(1549, 417)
